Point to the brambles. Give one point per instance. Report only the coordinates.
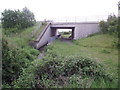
(72, 71)
(14, 59)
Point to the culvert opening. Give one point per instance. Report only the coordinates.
(63, 32)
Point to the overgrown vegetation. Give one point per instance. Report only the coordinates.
(69, 67)
(14, 59)
(59, 72)
(86, 63)
(17, 55)
(110, 26)
(38, 30)
(15, 20)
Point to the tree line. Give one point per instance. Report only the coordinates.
(17, 19)
(110, 26)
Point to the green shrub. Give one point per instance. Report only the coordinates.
(17, 18)
(103, 26)
(72, 71)
(110, 26)
(10, 30)
(14, 59)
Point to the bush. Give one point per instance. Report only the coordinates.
(17, 19)
(10, 30)
(72, 71)
(103, 26)
(110, 26)
(14, 59)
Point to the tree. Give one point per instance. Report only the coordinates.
(17, 19)
(110, 26)
(28, 17)
(9, 19)
(112, 23)
(103, 26)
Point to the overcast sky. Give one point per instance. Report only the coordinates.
(65, 10)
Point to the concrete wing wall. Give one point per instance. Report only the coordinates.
(44, 38)
(83, 30)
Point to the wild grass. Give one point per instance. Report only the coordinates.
(38, 30)
(100, 48)
(22, 38)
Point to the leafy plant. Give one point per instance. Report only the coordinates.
(17, 20)
(71, 71)
(110, 26)
(13, 61)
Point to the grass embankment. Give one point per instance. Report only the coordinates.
(74, 65)
(22, 38)
(39, 27)
(101, 48)
(18, 54)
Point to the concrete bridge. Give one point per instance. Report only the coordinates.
(79, 30)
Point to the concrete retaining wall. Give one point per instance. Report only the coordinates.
(44, 38)
(83, 30)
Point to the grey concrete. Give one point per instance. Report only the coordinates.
(80, 30)
(44, 37)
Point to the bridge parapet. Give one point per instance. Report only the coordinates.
(72, 23)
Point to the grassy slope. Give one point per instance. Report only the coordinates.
(22, 38)
(37, 31)
(100, 48)
(40, 30)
